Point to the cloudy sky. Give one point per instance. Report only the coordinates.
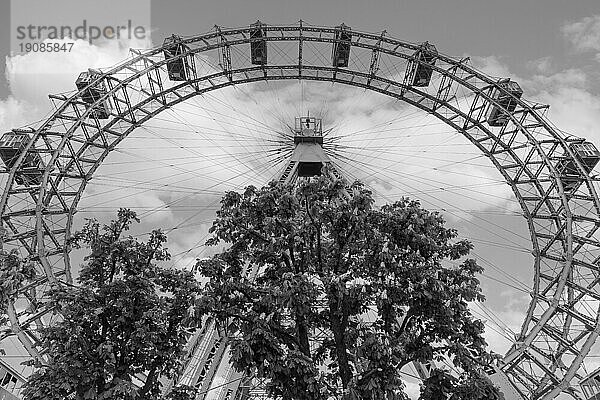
(173, 170)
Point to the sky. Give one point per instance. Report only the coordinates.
(551, 47)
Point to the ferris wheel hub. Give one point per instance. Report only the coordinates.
(308, 130)
(308, 157)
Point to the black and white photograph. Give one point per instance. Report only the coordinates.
(299, 200)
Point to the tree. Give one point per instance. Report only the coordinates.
(322, 294)
(128, 318)
(14, 272)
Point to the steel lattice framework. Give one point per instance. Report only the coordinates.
(562, 321)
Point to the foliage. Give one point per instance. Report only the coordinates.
(182, 392)
(128, 319)
(343, 295)
(14, 272)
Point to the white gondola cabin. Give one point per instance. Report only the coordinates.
(12, 144)
(420, 68)
(91, 94)
(587, 154)
(258, 45)
(178, 68)
(497, 115)
(341, 47)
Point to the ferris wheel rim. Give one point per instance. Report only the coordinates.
(527, 109)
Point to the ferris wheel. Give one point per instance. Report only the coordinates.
(548, 172)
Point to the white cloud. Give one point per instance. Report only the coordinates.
(584, 34)
(574, 105)
(542, 65)
(492, 65)
(33, 76)
(500, 327)
(13, 113)
(413, 390)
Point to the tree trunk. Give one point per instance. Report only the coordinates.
(303, 334)
(150, 381)
(339, 330)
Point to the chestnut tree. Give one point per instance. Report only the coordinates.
(323, 295)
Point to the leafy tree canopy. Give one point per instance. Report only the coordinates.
(14, 272)
(128, 319)
(324, 294)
